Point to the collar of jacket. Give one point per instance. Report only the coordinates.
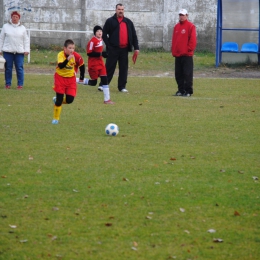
(15, 25)
(115, 16)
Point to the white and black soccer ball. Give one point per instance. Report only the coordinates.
(112, 129)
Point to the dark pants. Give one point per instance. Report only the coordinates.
(17, 59)
(121, 56)
(184, 74)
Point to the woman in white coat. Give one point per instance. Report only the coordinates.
(14, 44)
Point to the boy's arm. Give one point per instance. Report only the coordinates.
(82, 72)
(98, 54)
(94, 54)
(63, 64)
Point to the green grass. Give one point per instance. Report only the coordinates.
(75, 193)
(147, 60)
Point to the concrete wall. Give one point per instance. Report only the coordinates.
(153, 19)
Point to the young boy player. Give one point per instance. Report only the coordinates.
(65, 84)
(96, 65)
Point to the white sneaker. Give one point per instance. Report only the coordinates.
(124, 90)
(100, 88)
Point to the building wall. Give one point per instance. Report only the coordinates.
(153, 19)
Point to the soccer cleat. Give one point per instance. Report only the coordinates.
(100, 88)
(7, 87)
(178, 94)
(19, 87)
(55, 121)
(109, 102)
(124, 90)
(54, 100)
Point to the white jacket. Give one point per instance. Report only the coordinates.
(14, 38)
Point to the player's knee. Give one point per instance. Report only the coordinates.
(92, 82)
(69, 99)
(58, 104)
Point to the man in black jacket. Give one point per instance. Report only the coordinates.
(120, 37)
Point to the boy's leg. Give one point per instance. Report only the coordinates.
(68, 99)
(106, 90)
(70, 90)
(56, 114)
(92, 82)
(85, 81)
(63, 102)
(57, 108)
(105, 86)
(107, 95)
(94, 74)
(60, 99)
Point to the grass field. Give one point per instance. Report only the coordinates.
(178, 168)
(147, 60)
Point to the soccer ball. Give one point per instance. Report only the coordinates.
(112, 129)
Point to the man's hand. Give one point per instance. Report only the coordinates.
(136, 52)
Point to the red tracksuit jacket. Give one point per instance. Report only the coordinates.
(183, 39)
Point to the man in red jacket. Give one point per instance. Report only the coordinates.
(183, 45)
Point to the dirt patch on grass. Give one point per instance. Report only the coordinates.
(225, 72)
(220, 72)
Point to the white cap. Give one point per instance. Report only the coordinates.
(183, 11)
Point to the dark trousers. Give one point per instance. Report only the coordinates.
(184, 74)
(17, 59)
(121, 56)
